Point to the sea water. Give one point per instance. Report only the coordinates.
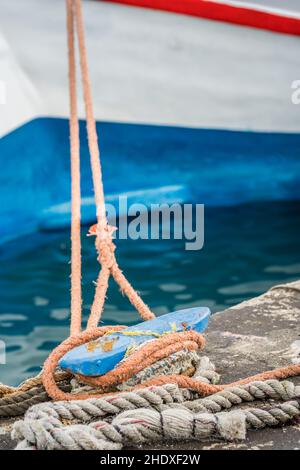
(247, 249)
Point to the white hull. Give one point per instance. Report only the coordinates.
(149, 67)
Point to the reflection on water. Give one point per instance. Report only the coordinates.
(247, 249)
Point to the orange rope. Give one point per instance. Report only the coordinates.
(154, 350)
(76, 298)
(148, 354)
(104, 242)
(104, 233)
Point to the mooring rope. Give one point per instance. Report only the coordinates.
(157, 397)
(76, 294)
(104, 232)
(154, 414)
(17, 403)
(105, 248)
(14, 401)
(148, 354)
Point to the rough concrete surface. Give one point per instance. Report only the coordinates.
(254, 336)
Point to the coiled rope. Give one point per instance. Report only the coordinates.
(154, 414)
(18, 402)
(158, 397)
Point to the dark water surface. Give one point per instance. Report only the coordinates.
(247, 249)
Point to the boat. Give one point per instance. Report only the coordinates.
(205, 93)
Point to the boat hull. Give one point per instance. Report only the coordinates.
(206, 97)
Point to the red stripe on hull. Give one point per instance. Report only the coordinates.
(222, 12)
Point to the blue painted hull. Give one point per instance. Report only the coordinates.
(212, 167)
(100, 356)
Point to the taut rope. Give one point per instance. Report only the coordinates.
(104, 242)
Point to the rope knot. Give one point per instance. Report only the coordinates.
(104, 243)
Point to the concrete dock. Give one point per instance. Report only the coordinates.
(257, 335)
